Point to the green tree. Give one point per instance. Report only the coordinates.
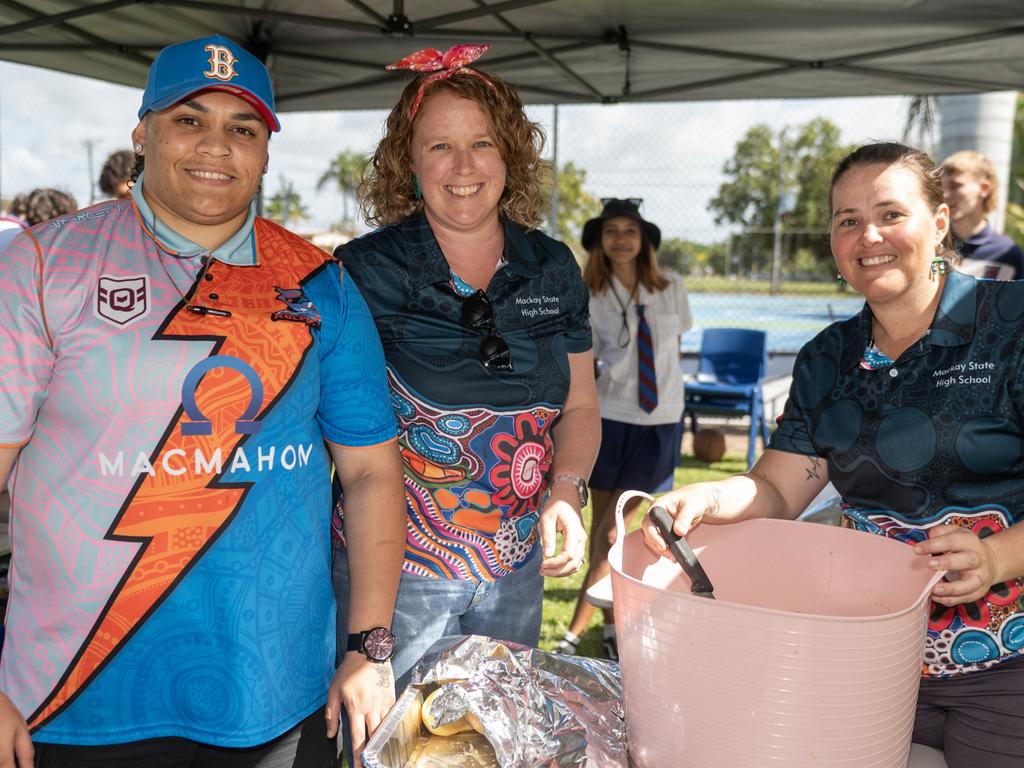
(285, 204)
(690, 258)
(344, 174)
(750, 195)
(575, 204)
(921, 123)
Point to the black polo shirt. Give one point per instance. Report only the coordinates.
(937, 437)
(476, 442)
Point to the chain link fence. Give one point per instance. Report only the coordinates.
(744, 222)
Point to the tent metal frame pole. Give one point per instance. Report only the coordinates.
(475, 13)
(61, 18)
(543, 52)
(98, 42)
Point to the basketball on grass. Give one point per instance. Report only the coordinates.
(709, 445)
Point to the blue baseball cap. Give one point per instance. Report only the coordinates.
(209, 64)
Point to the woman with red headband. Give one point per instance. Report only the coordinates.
(485, 327)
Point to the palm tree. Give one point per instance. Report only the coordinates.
(919, 129)
(286, 204)
(345, 172)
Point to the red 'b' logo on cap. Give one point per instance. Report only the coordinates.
(222, 63)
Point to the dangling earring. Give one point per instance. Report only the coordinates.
(938, 266)
(416, 191)
(840, 280)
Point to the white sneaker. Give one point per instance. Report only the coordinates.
(567, 645)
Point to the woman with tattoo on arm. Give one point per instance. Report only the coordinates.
(914, 410)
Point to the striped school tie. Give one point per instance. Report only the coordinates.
(648, 384)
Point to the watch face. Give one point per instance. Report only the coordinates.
(379, 644)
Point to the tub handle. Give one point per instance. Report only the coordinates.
(700, 584)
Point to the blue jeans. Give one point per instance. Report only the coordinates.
(428, 609)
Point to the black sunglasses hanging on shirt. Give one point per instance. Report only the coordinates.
(477, 312)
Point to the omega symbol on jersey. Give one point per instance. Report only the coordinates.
(222, 63)
(198, 423)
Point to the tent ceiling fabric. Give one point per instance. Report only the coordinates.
(330, 54)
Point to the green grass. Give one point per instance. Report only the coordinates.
(560, 594)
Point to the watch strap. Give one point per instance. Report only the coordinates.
(577, 482)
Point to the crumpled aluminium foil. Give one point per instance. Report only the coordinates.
(536, 708)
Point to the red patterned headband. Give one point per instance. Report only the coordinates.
(455, 60)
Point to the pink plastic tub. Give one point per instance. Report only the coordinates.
(810, 655)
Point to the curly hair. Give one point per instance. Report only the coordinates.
(43, 204)
(386, 193)
(116, 171)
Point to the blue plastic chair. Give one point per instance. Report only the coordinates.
(732, 367)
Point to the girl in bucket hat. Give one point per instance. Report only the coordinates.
(638, 313)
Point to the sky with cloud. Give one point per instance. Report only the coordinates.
(670, 154)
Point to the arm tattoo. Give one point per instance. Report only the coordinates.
(716, 502)
(813, 468)
(383, 678)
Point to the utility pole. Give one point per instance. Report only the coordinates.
(780, 210)
(89, 144)
(553, 222)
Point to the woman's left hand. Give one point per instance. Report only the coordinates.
(560, 516)
(959, 551)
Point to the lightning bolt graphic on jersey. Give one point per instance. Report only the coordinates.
(175, 519)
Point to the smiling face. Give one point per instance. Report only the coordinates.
(965, 195)
(621, 239)
(884, 233)
(204, 157)
(457, 163)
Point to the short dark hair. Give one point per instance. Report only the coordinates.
(116, 171)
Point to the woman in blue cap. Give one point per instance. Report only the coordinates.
(178, 376)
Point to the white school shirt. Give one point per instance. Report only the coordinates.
(668, 314)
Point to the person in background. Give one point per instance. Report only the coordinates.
(484, 324)
(971, 191)
(115, 176)
(638, 313)
(35, 207)
(11, 223)
(178, 375)
(914, 410)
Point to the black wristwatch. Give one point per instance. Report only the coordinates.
(576, 482)
(377, 644)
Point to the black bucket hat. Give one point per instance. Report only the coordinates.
(612, 207)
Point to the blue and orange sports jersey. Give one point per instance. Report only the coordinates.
(171, 501)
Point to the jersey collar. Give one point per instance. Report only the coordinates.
(952, 326)
(239, 250)
(423, 249)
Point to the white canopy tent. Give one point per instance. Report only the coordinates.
(329, 54)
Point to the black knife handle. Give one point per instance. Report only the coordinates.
(681, 551)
